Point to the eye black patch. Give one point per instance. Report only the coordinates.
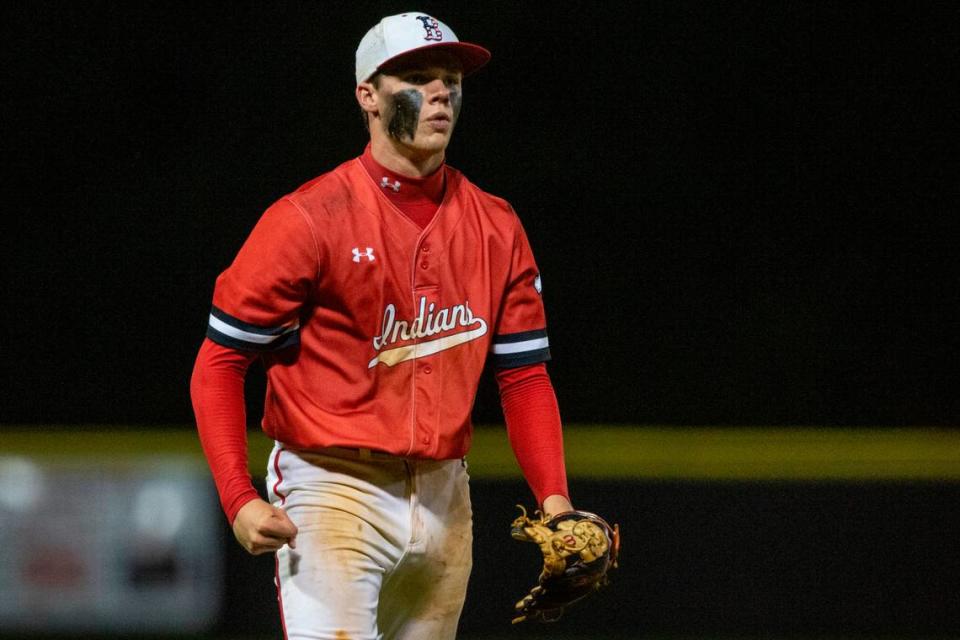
(456, 101)
(405, 114)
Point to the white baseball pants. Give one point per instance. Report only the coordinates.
(383, 544)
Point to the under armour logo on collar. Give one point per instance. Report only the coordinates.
(368, 254)
(385, 182)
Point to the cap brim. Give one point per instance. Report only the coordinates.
(471, 56)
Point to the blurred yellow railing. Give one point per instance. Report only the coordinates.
(594, 451)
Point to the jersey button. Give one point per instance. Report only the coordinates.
(427, 369)
(425, 439)
(424, 265)
(425, 248)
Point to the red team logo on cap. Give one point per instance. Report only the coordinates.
(432, 27)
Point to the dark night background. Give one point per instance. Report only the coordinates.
(744, 213)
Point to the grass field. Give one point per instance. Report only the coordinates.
(594, 451)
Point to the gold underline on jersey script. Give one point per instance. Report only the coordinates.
(429, 347)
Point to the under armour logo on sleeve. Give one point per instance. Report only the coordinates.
(368, 254)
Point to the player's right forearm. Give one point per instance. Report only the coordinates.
(216, 389)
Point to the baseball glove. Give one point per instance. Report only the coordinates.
(578, 548)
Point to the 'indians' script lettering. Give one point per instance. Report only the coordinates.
(428, 322)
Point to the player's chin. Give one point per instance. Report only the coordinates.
(432, 142)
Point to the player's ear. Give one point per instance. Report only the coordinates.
(367, 97)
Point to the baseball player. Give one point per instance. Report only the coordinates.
(373, 295)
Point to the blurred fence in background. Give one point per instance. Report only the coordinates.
(108, 545)
(726, 532)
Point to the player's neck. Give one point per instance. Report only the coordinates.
(402, 160)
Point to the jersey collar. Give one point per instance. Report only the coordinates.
(401, 188)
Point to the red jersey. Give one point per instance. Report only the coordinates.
(374, 331)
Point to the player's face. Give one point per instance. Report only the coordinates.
(421, 103)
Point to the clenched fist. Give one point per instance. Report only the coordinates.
(263, 528)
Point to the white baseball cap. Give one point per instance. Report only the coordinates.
(399, 35)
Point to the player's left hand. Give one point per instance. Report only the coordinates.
(552, 505)
(578, 549)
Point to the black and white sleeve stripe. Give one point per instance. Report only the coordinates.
(518, 349)
(226, 330)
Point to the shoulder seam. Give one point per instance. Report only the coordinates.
(313, 233)
(481, 190)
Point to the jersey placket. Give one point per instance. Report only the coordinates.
(425, 377)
